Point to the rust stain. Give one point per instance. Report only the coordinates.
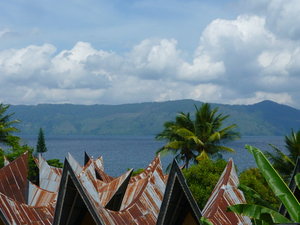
(13, 179)
(49, 176)
(22, 202)
(225, 194)
(139, 198)
(142, 199)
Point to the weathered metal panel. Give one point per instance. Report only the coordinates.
(14, 191)
(40, 197)
(140, 208)
(19, 213)
(13, 178)
(49, 177)
(108, 190)
(139, 182)
(225, 194)
(77, 168)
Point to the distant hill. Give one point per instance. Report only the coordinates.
(264, 118)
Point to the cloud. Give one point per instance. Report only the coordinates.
(243, 60)
(283, 98)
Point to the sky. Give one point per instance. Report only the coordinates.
(130, 51)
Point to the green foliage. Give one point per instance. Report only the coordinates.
(7, 127)
(202, 178)
(55, 163)
(266, 118)
(41, 145)
(265, 215)
(285, 163)
(188, 138)
(252, 178)
(260, 214)
(137, 171)
(205, 221)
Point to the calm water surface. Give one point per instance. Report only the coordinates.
(122, 152)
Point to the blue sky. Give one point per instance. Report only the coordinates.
(113, 52)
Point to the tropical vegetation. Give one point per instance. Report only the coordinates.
(203, 177)
(282, 162)
(7, 128)
(12, 146)
(199, 138)
(256, 189)
(262, 214)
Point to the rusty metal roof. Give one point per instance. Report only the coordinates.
(226, 193)
(178, 205)
(22, 202)
(88, 194)
(14, 212)
(13, 182)
(140, 208)
(49, 176)
(40, 197)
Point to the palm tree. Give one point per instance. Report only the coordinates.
(178, 143)
(209, 129)
(6, 127)
(199, 138)
(285, 163)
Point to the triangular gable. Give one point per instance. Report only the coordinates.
(225, 193)
(73, 203)
(99, 167)
(139, 182)
(178, 206)
(112, 193)
(87, 158)
(13, 182)
(293, 187)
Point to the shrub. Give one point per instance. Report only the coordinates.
(55, 163)
(253, 179)
(203, 177)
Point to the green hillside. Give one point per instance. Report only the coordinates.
(265, 118)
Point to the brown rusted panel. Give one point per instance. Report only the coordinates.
(225, 194)
(13, 178)
(40, 197)
(142, 207)
(14, 191)
(108, 190)
(19, 213)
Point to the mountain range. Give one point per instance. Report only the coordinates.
(264, 118)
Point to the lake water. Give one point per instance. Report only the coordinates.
(122, 152)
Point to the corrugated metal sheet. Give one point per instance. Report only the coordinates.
(13, 182)
(140, 208)
(225, 194)
(15, 212)
(14, 191)
(40, 197)
(138, 183)
(49, 177)
(108, 190)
